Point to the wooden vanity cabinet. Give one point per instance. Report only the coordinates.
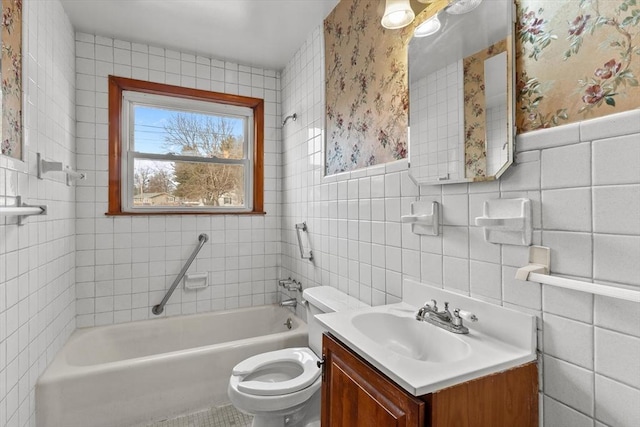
(355, 394)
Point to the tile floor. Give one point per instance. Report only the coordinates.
(224, 416)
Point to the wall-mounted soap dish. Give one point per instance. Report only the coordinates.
(507, 221)
(424, 218)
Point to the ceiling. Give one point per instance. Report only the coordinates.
(260, 33)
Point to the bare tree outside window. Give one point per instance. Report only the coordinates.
(205, 136)
(194, 183)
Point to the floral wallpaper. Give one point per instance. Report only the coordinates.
(367, 98)
(576, 59)
(474, 111)
(11, 73)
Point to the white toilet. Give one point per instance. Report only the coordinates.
(282, 388)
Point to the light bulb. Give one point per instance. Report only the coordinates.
(428, 27)
(397, 14)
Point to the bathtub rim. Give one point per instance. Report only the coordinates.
(60, 368)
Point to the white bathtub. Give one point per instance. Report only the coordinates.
(135, 373)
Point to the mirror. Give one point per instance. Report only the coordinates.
(11, 73)
(461, 125)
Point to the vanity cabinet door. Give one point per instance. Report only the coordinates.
(356, 395)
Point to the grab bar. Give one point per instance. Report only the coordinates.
(158, 309)
(303, 227)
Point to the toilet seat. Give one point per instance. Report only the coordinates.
(302, 357)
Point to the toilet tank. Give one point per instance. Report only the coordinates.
(325, 299)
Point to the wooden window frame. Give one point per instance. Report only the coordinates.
(117, 85)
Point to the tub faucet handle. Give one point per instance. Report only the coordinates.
(288, 323)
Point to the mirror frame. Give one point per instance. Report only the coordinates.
(11, 144)
(438, 7)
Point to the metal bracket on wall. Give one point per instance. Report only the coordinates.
(303, 227)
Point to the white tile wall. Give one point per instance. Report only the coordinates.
(436, 125)
(125, 264)
(497, 129)
(37, 262)
(583, 183)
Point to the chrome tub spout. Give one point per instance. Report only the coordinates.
(291, 302)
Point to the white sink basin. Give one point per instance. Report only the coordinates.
(409, 338)
(423, 358)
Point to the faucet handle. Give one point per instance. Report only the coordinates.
(433, 304)
(458, 315)
(284, 282)
(466, 315)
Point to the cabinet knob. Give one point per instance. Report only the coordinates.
(321, 362)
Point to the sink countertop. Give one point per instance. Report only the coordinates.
(501, 339)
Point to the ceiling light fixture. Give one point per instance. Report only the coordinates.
(428, 27)
(397, 14)
(459, 7)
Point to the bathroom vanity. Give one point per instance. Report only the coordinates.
(387, 366)
(354, 393)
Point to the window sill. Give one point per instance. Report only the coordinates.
(183, 213)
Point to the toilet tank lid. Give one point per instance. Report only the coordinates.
(330, 299)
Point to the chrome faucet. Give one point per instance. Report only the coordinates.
(291, 302)
(444, 319)
(290, 284)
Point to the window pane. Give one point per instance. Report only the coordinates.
(187, 184)
(165, 131)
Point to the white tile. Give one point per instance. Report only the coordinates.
(616, 404)
(392, 185)
(456, 274)
(485, 279)
(618, 315)
(548, 138)
(615, 258)
(411, 263)
(524, 175)
(394, 233)
(569, 384)
(568, 166)
(555, 300)
(616, 209)
(431, 268)
(393, 258)
(394, 283)
(568, 340)
(455, 209)
(455, 241)
(480, 249)
(408, 187)
(570, 252)
(566, 209)
(617, 356)
(525, 294)
(624, 123)
(377, 186)
(556, 414)
(615, 160)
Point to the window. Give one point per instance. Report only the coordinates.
(176, 150)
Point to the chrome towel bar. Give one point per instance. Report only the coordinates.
(158, 309)
(22, 210)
